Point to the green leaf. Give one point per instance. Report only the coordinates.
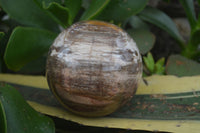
(1, 50)
(3, 121)
(36, 66)
(195, 39)
(159, 66)
(59, 13)
(46, 3)
(160, 70)
(181, 66)
(161, 61)
(119, 10)
(144, 39)
(25, 45)
(21, 118)
(136, 23)
(1, 35)
(27, 12)
(3, 43)
(73, 6)
(94, 9)
(63, 15)
(188, 6)
(161, 20)
(149, 62)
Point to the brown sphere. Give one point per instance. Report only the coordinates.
(93, 68)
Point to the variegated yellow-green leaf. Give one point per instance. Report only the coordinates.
(162, 103)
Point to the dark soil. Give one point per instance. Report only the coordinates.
(165, 45)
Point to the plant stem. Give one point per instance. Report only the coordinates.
(189, 51)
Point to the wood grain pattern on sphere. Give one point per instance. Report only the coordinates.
(93, 68)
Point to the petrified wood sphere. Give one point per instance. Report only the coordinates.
(93, 68)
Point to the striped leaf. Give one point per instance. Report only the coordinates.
(162, 103)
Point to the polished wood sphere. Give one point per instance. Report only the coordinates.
(93, 68)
